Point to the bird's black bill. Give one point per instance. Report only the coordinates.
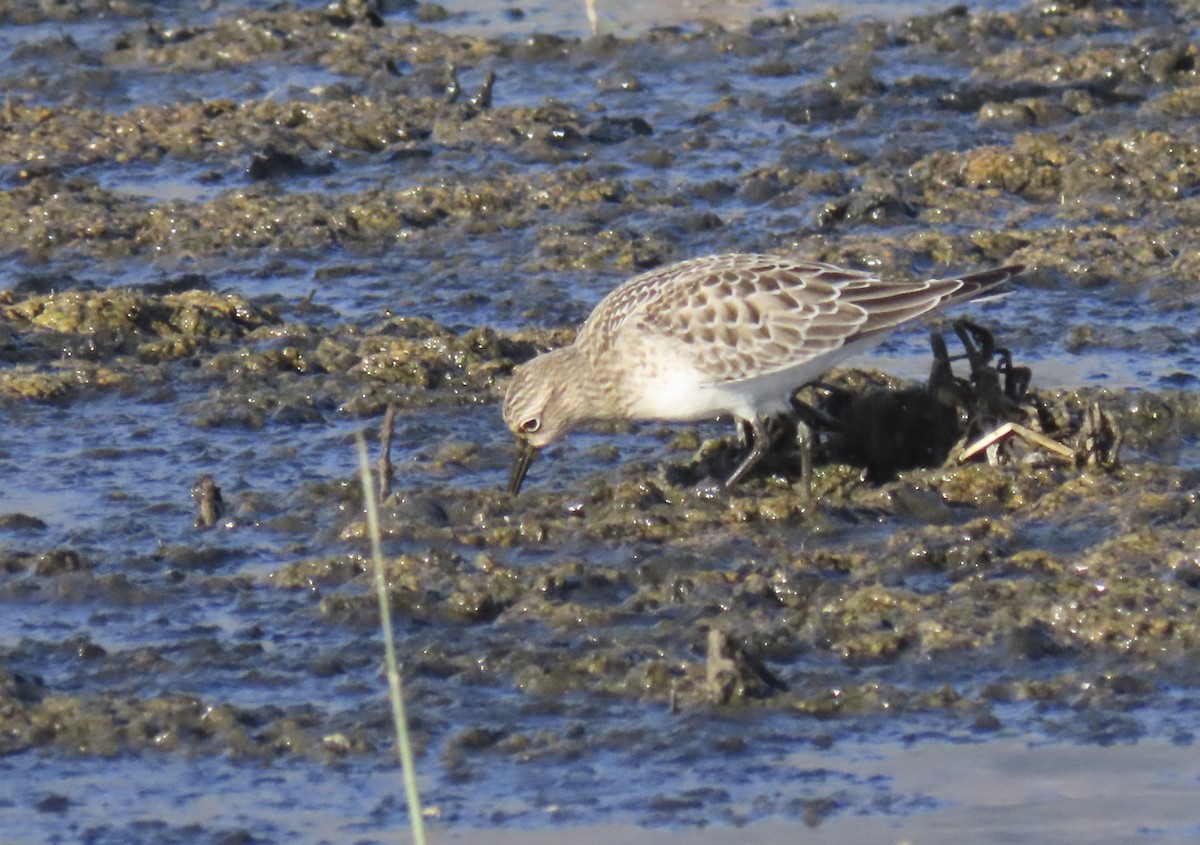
(525, 455)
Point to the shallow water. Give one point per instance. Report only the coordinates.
(162, 683)
(925, 791)
(627, 18)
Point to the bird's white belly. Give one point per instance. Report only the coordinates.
(677, 393)
(673, 389)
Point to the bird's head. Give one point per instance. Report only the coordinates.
(538, 408)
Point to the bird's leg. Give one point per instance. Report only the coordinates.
(760, 444)
(806, 418)
(804, 442)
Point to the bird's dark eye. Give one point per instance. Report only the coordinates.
(530, 426)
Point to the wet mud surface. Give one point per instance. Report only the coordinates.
(230, 238)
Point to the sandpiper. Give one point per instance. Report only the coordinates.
(733, 334)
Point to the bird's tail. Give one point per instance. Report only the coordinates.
(983, 286)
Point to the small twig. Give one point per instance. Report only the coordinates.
(453, 86)
(210, 507)
(403, 746)
(383, 465)
(483, 97)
